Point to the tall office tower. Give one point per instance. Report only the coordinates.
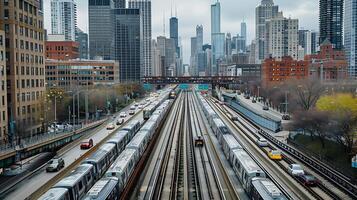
(218, 38)
(82, 39)
(243, 29)
(3, 89)
(156, 61)
(167, 50)
(100, 29)
(174, 33)
(228, 47)
(302, 38)
(119, 3)
(351, 36)
(281, 37)
(243, 35)
(311, 43)
(199, 36)
(331, 21)
(64, 18)
(252, 52)
(145, 11)
(241, 44)
(266, 10)
(127, 47)
(25, 66)
(193, 58)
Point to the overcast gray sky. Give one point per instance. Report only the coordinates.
(193, 12)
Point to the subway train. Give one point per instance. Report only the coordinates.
(87, 182)
(251, 176)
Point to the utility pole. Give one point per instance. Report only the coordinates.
(286, 102)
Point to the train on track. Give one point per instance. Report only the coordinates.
(105, 173)
(249, 173)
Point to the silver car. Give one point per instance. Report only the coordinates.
(55, 165)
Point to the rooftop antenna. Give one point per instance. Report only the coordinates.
(164, 24)
(176, 10)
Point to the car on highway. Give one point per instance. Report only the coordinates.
(254, 101)
(275, 154)
(234, 118)
(265, 108)
(120, 121)
(295, 170)
(55, 164)
(262, 142)
(122, 115)
(308, 180)
(87, 144)
(140, 107)
(131, 112)
(136, 104)
(110, 126)
(286, 117)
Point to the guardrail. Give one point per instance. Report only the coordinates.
(43, 139)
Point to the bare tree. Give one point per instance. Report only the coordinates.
(314, 122)
(307, 92)
(345, 125)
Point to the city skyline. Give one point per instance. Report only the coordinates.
(304, 11)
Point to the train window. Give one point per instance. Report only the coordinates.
(257, 174)
(88, 176)
(80, 185)
(114, 174)
(245, 176)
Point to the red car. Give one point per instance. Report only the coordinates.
(87, 144)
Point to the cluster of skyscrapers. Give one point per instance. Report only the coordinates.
(277, 36)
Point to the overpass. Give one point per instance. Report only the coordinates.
(214, 80)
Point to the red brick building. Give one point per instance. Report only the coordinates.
(329, 64)
(62, 50)
(276, 71)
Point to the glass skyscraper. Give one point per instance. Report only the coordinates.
(127, 43)
(351, 36)
(174, 32)
(64, 18)
(145, 10)
(218, 38)
(100, 28)
(331, 20)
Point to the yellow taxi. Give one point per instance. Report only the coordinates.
(275, 155)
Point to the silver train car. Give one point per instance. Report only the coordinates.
(104, 189)
(56, 194)
(229, 143)
(78, 182)
(123, 166)
(245, 167)
(101, 159)
(263, 188)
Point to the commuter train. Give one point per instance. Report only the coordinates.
(252, 177)
(149, 110)
(81, 183)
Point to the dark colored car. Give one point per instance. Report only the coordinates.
(55, 165)
(254, 101)
(286, 117)
(308, 180)
(87, 144)
(265, 108)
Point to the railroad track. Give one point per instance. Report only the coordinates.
(287, 184)
(223, 181)
(252, 131)
(208, 178)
